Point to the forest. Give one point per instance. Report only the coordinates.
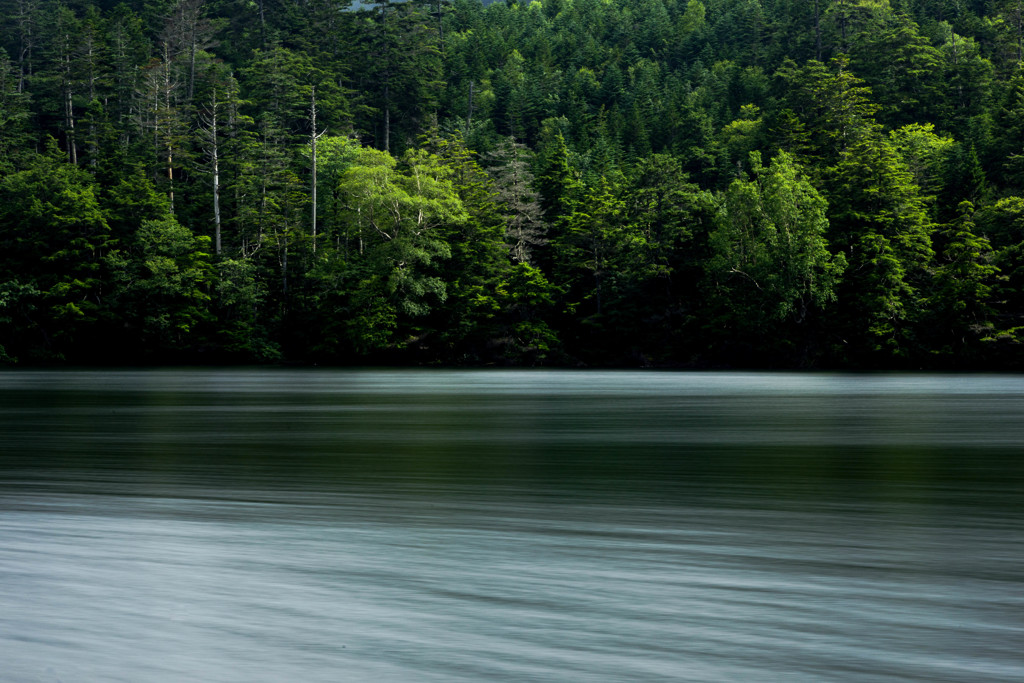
(618, 183)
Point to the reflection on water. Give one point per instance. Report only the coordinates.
(520, 526)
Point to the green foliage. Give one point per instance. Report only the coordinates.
(238, 299)
(568, 181)
(18, 303)
(53, 236)
(388, 273)
(770, 260)
(879, 219)
(1002, 223)
(14, 114)
(529, 299)
(962, 307)
(831, 108)
(902, 68)
(160, 284)
(925, 155)
(589, 239)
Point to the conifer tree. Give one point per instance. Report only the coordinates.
(880, 222)
(14, 114)
(524, 223)
(961, 302)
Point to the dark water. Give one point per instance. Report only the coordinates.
(510, 526)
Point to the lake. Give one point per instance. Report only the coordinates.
(529, 525)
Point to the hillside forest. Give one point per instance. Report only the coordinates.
(666, 183)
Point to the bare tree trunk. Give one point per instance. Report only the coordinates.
(169, 141)
(25, 19)
(69, 118)
(192, 68)
(284, 265)
(817, 31)
(65, 37)
(312, 148)
(387, 125)
(91, 142)
(215, 163)
(170, 175)
(440, 24)
(263, 25)
(359, 224)
(156, 127)
(216, 204)
(844, 18)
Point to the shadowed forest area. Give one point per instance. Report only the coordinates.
(676, 183)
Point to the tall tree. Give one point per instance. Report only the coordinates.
(14, 114)
(900, 65)
(770, 259)
(832, 107)
(186, 33)
(880, 222)
(61, 76)
(960, 308)
(166, 118)
(524, 222)
(402, 67)
(128, 50)
(159, 286)
(587, 244)
(26, 21)
(53, 236)
(211, 131)
(398, 216)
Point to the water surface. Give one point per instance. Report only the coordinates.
(354, 525)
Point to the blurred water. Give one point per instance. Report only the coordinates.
(357, 525)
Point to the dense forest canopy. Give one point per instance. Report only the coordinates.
(774, 183)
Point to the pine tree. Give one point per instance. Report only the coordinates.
(14, 115)
(401, 62)
(524, 223)
(961, 302)
(879, 220)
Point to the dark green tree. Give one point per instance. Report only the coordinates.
(400, 70)
(770, 261)
(880, 222)
(962, 316)
(14, 115)
(53, 237)
(160, 287)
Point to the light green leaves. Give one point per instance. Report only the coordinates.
(770, 258)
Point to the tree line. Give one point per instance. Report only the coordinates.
(689, 183)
